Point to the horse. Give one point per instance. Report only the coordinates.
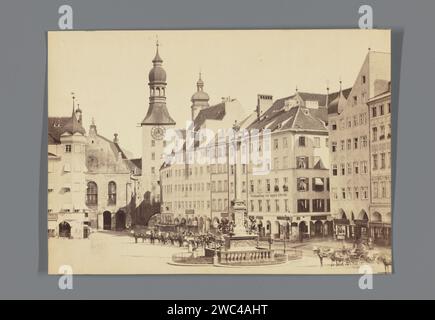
(321, 254)
(386, 260)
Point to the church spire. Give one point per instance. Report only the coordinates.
(200, 83)
(157, 59)
(73, 102)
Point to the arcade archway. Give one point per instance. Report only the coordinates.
(64, 229)
(120, 217)
(107, 220)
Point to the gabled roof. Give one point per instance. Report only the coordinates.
(116, 149)
(334, 100)
(216, 112)
(279, 117)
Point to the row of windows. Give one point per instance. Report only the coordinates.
(301, 142)
(349, 122)
(349, 144)
(189, 187)
(381, 190)
(258, 187)
(319, 184)
(348, 193)
(92, 193)
(380, 110)
(188, 205)
(380, 161)
(355, 168)
(302, 162)
(383, 134)
(303, 205)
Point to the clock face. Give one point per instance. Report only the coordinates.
(158, 133)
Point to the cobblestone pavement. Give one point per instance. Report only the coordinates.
(117, 252)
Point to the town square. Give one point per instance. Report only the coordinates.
(298, 182)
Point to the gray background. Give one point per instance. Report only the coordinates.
(23, 113)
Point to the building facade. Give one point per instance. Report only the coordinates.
(88, 179)
(380, 155)
(288, 200)
(349, 132)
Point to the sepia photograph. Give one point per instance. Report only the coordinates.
(219, 151)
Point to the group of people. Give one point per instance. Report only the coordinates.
(182, 238)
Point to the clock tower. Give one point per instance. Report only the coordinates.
(154, 125)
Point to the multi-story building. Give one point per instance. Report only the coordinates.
(88, 179)
(380, 168)
(108, 181)
(67, 212)
(290, 199)
(349, 134)
(194, 188)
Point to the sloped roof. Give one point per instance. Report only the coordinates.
(73, 126)
(158, 114)
(55, 128)
(136, 162)
(333, 100)
(216, 112)
(116, 149)
(277, 117)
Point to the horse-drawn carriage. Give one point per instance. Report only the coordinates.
(352, 256)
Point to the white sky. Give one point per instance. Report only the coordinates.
(108, 70)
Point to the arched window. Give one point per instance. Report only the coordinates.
(92, 193)
(112, 193)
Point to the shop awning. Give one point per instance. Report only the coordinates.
(318, 181)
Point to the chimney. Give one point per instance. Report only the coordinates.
(115, 138)
(264, 102)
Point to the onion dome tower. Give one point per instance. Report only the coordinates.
(199, 99)
(157, 112)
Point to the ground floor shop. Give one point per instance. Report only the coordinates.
(290, 227)
(375, 227)
(68, 225)
(380, 224)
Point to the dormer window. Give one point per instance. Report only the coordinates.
(68, 148)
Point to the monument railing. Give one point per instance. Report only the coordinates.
(247, 257)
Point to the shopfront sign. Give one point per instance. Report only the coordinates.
(283, 218)
(52, 216)
(318, 217)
